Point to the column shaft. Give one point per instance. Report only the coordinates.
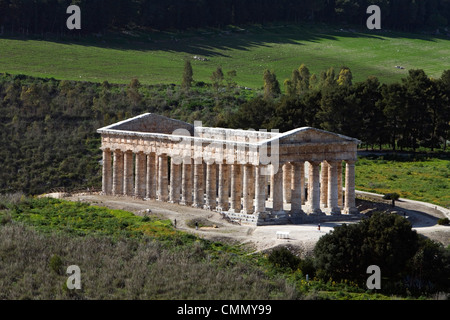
(324, 184)
(211, 183)
(314, 192)
(117, 188)
(224, 187)
(248, 181)
(186, 184)
(287, 181)
(140, 175)
(128, 183)
(350, 205)
(152, 174)
(260, 190)
(277, 188)
(340, 195)
(163, 191)
(198, 185)
(332, 199)
(236, 188)
(298, 176)
(175, 182)
(106, 172)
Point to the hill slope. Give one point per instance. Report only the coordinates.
(158, 57)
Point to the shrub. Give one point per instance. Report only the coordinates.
(391, 196)
(284, 259)
(56, 264)
(385, 240)
(443, 221)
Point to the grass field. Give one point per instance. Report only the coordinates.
(158, 57)
(120, 259)
(423, 179)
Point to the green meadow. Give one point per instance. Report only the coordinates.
(417, 178)
(158, 57)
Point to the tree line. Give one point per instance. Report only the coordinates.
(48, 127)
(412, 113)
(42, 16)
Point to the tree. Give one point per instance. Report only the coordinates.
(271, 85)
(385, 240)
(187, 75)
(217, 78)
(230, 79)
(304, 79)
(417, 116)
(393, 105)
(254, 114)
(345, 77)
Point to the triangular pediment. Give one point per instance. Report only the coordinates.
(313, 135)
(149, 123)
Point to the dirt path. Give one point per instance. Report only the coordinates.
(260, 238)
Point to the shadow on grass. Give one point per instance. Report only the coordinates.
(207, 42)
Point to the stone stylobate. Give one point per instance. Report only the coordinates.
(255, 176)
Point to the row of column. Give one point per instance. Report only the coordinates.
(230, 187)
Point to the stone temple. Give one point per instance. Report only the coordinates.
(256, 177)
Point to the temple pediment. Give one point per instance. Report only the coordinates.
(148, 123)
(312, 135)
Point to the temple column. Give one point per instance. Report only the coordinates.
(298, 182)
(107, 181)
(117, 187)
(186, 184)
(287, 181)
(198, 184)
(247, 207)
(151, 173)
(211, 189)
(236, 188)
(332, 199)
(175, 183)
(302, 178)
(260, 190)
(224, 187)
(340, 194)
(277, 173)
(128, 182)
(324, 184)
(163, 191)
(350, 204)
(140, 175)
(271, 183)
(314, 185)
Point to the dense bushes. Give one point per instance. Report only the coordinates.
(408, 262)
(48, 127)
(412, 114)
(43, 238)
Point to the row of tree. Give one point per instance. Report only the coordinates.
(48, 127)
(410, 114)
(40, 16)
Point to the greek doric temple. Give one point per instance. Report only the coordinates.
(256, 177)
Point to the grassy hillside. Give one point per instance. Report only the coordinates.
(123, 256)
(158, 57)
(418, 178)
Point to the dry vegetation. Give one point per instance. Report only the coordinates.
(129, 257)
